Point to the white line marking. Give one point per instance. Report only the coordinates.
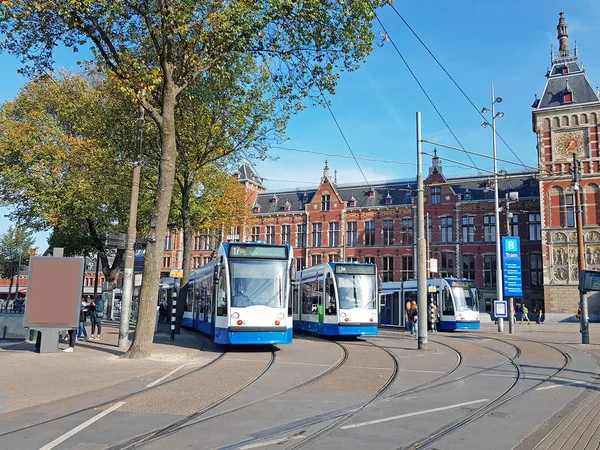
(496, 375)
(417, 413)
(77, 429)
(154, 383)
(304, 364)
(573, 383)
(272, 442)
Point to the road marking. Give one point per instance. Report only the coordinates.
(572, 383)
(417, 413)
(154, 383)
(272, 442)
(304, 364)
(77, 429)
(496, 375)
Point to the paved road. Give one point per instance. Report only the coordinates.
(537, 388)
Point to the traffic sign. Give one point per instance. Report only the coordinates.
(511, 266)
(500, 309)
(176, 273)
(589, 280)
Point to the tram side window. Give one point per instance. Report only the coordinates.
(330, 308)
(447, 301)
(410, 296)
(311, 297)
(222, 293)
(197, 299)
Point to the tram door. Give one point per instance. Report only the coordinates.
(432, 298)
(391, 310)
(446, 310)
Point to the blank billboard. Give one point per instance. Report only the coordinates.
(53, 292)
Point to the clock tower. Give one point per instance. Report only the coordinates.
(565, 119)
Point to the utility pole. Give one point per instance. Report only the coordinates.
(421, 246)
(511, 301)
(577, 176)
(427, 246)
(131, 237)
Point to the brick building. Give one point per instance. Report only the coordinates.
(565, 119)
(375, 223)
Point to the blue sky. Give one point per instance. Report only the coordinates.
(507, 42)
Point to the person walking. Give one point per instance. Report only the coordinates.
(524, 312)
(414, 317)
(96, 312)
(83, 309)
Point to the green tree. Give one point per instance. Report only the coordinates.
(15, 247)
(163, 48)
(65, 145)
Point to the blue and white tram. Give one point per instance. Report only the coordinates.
(242, 296)
(456, 300)
(336, 299)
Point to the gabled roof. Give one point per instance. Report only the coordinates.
(401, 192)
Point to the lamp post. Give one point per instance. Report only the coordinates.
(496, 202)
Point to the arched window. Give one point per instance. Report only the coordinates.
(555, 202)
(590, 204)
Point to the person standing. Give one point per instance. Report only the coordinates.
(72, 339)
(81, 331)
(96, 312)
(407, 320)
(524, 312)
(414, 317)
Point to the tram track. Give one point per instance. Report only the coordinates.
(503, 398)
(122, 397)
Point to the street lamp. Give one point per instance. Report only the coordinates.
(496, 201)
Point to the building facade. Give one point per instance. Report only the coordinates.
(376, 224)
(565, 119)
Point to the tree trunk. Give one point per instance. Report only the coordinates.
(187, 253)
(144, 333)
(9, 291)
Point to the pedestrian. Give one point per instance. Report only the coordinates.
(434, 318)
(407, 320)
(83, 309)
(96, 313)
(524, 315)
(514, 318)
(414, 317)
(538, 319)
(72, 339)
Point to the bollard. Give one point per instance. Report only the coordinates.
(173, 314)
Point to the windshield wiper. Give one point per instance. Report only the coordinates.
(278, 293)
(241, 294)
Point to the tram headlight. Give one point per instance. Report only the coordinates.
(281, 316)
(373, 315)
(342, 315)
(235, 315)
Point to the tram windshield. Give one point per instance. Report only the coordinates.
(356, 291)
(465, 299)
(258, 282)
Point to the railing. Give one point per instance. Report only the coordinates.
(567, 56)
(12, 307)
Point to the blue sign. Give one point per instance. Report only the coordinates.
(500, 309)
(511, 266)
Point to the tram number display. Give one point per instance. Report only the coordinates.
(258, 251)
(461, 283)
(355, 269)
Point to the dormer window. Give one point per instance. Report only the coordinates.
(567, 97)
(565, 70)
(274, 199)
(352, 202)
(287, 206)
(305, 197)
(256, 208)
(236, 175)
(388, 199)
(467, 194)
(372, 193)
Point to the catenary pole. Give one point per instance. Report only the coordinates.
(583, 305)
(497, 214)
(421, 246)
(131, 238)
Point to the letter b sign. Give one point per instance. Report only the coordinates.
(510, 245)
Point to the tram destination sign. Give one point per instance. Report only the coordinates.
(511, 266)
(589, 280)
(355, 269)
(258, 251)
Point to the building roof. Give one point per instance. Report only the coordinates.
(246, 173)
(567, 75)
(399, 192)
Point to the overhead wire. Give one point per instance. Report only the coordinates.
(453, 80)
(388, 37)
